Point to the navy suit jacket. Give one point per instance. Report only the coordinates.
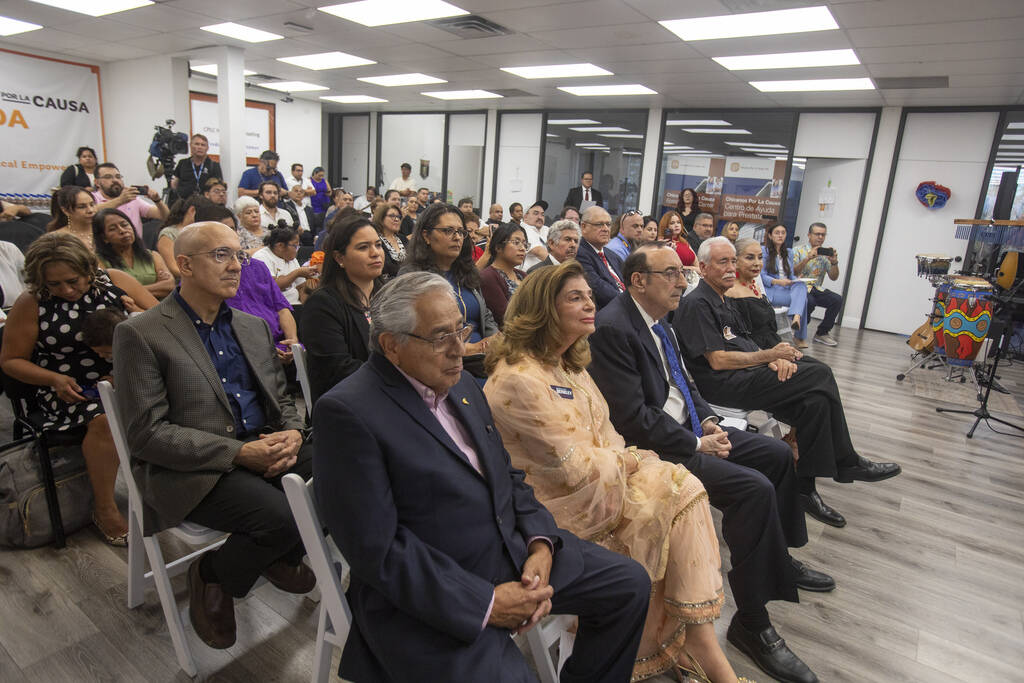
(598, 277)
(628, 369)
(427, 536)
(575, 197)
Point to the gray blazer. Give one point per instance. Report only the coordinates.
(176, 416)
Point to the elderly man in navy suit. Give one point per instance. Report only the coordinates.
(450, 551)
(603, 267)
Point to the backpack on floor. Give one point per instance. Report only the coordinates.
(24, 515)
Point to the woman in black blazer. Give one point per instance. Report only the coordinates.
(335, 323)
(82, 174)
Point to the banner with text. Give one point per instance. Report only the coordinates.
(259, 125)
(48, 109)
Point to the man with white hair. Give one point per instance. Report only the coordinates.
(603, 267)
(563, 242)
(450, 551)
(731, 370)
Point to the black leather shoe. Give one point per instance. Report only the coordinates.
(298, 579)
(810, 580)
(865, 470)
(211, 610)
(770, 653)
(820, 510)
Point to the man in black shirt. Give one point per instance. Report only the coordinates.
(731, 370)
(191, 174)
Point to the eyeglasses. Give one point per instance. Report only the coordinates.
(452, 232)
(439, 344)
(393, 217)
(601, 224)
(633, 212)
(111, 177)
(670, 274)
(223, 254)
(517, 243)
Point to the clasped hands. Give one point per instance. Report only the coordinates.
(271, 454)
(784, 364)
(519, 605)
(715, 440)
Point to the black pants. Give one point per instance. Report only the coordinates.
(255, 511)
(832, 303)
(755, 488)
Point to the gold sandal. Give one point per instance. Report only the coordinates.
(697, 674)
(119, 541)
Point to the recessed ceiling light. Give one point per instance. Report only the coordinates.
(211, 69)
(762, 149)
(668, 143)
(671, 146)
(462, 95)
(789, 60)
(384, 12)
(402, 79)
(571, 122)
(557, 71)
(720, 131)
(552, 135)
(1013, 137)
(239, 32)
(632, 154)
(590, 144)
(752, 144)
(351, 99)
(293, 86)
(697, 122)
(753, 24)
(607, 90)
(1015, 125)
(602, 129)
(326, 60)
(96, 8)
(815, 85)
(1002, 146)
(688, 152)
(10, 27)
(631, 136)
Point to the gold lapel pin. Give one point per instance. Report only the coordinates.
(465, 402)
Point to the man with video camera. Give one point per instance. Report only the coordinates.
(814, 260)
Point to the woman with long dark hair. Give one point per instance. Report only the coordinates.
(501, 274)
(82, 174)
(335, 322)
(440, 244)
(387, 219)
(117, 247)
(672, 229)
(780, 284)
(72, 208)
(688, 208)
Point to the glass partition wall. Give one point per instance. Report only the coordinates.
(609, 144)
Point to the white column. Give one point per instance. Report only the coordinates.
(231, 115)
(490, 149)
(371, 153)
(652, 160)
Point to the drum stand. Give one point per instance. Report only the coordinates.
(922, 359)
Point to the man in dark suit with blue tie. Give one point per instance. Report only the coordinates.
(450, 551)
(602, 267)
(749, 477)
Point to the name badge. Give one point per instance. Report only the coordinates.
(727, 333)
(564, 392)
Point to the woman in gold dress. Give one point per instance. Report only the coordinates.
(555, 426)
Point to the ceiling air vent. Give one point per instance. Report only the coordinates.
(471, 26)
(512, 92)
(911, 82)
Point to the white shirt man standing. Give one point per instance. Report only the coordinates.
(305, 183)
(405, 185)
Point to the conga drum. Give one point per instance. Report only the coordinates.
(932, 264)
(968, 314)
(938, 315)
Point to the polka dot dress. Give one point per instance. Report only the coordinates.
(60, 348)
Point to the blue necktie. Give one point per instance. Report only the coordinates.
(678, 377)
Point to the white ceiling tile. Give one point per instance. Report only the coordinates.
(948, 68)
(570, 15)
(111, 52)
(162, 17)
(941, 52)
(871, 13)
(240, 11)
(48, 39)
(639, 52)
(927, 34)
(530, 58)
(496, 45)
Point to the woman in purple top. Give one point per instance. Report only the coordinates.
(322, 199)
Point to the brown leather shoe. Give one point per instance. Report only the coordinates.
(298, 579)
(211, 610)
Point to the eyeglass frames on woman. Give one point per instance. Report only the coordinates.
(439, 344)
(452, 232)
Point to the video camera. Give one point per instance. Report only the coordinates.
(165, 145)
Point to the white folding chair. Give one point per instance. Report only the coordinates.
(141, 547)
(739, 419)
(556, 628)
(782, 323)
(299, 358)
(335, 615)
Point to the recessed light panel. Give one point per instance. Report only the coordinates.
(211, 69)
(10, 27)
(462, 95)
(326, 60)
(1015, 125)
(293, 86)
(789, 60)
(631, 136)
(240, 32)
(385, 12)
(402, 79)
(753, 24)
(607, 90)
(753, 144)
(602, 129)
(96, 8)
(697, 122)
(571, 122)
(632, 154)
(815, 85)
(351, 99)
(719, 131)
(557, 71)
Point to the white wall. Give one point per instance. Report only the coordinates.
(466, 136)
(518, 159)
(355, 152)
(951, 149)
(408, 138)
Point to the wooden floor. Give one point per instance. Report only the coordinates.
(930, 568)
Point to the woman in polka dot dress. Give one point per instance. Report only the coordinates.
(43, 346)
